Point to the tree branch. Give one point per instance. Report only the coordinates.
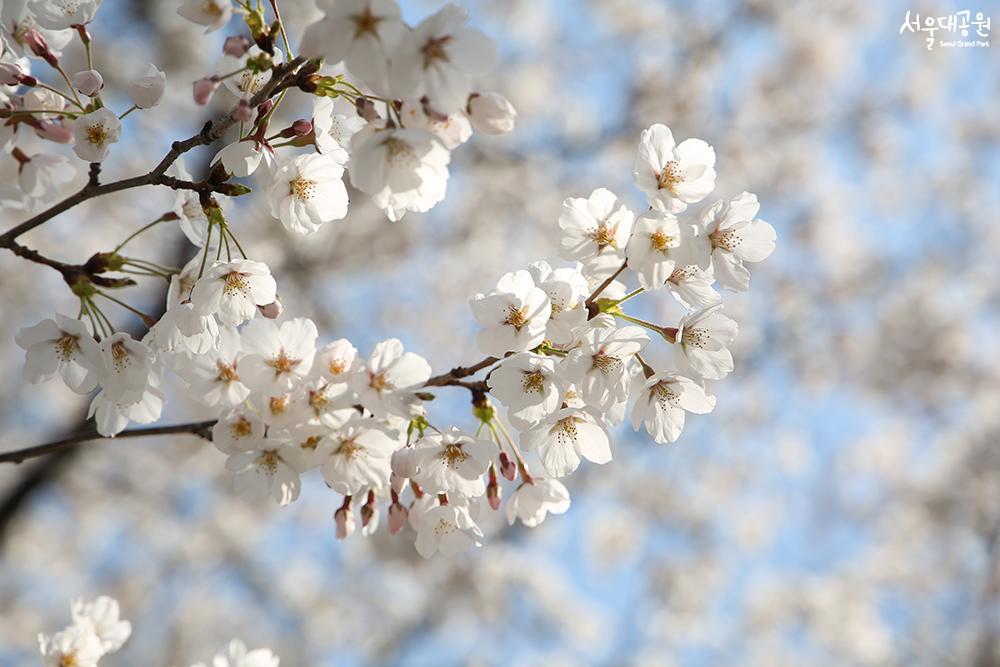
(459, 372)
(283, 76)
(201, 429)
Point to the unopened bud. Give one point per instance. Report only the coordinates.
(10, 74)
(366, 109)
(272, 310)
(398, 516)
(264, 108)
(404, 463)
(34, 40)
(299, 128)
(493, 494)
(89, 82)
(491, 113)
(204, 89)
(242, 113)
(344, 519)
(507, 467)
(236, 45)
(396, 483)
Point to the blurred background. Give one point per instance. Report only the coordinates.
(840, 507)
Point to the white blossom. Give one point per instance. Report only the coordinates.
(692, 286)
(63, 347)
(213, 14)
(452, 130)
(491, 113)
(105, 617)
(595, 231)
(513, 316)
(266, 471)
(275, 359)
(94, 132)
(233, 290)
(400, 169)
(361, 33)
(386, 383)
(702, 342)
(448, 529)
(598, 368)
(238, 430)
(673, 175)
(241, 158)
(534, 499)
(237, 655)
(45, 175)
(78, 645)
(567, 290)
(358, 456)
(306, 191)
(452, 462)
(62, 14)
(147, 88)
(438, 58)
(736, 237)
(655, 247)
(663, 402)
(527, 383)
(566, 436)
(334, 125)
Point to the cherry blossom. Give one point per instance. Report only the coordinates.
(673, 175)
(358, 458)
(565, 437)
(534, 499)
(147, 88)
(567, 290)
(513, 316)
(448, 529)
(213, 14)
(736, 237)
(105, 617)
(438, 58)
(452, 462)
(307, 191)
(386, 383)
(491, 113)
(663, 402)
(702, 343)
(94, 132)
(78, 645)
(62, 14)
(595, 231)
(233, 290)
(334, 125)
(63, 347)
(528, 385)
(598, 368)
(266, 471)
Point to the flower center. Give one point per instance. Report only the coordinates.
(120, 357)
(727, 240)
(444, 527)
(453, 456)
(96, 134)
(516, 317)
(696, 337)
(310, 443)
(66, 347)
(302, 188)
(318, 400)
(566, 431)
(337, 366)
(277, 404)
(606, 363)
(399, 153)
(683, 273)
(241, 428)
(282, 363)
(433, 50)
(69, 7)
(211, 8)
(227, 372)
(604, 236)
(349, 448)
(660, 242)
(533, 382)
(267, 462)
(379, 381)
(365, 23)
(236, 282)
(664, 395)
(670, 176)
(68, 660)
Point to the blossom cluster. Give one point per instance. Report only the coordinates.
(564, 358)
(97, 630)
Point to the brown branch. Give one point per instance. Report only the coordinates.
(451, 377)
(283, 76)
(600, 288)
(201, 429)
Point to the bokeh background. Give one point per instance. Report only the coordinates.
(840, 507)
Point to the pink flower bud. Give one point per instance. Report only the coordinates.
(56, 131)
(366, 109)
(404, 463)
(89, 82)
(204, 89)
(236, 45)
(491, 113)
(397, 518)
(10, 74)
(344, 519)
(368, 511)
(264, 108)
(34, 40)
(507, 467)
(493, 494)
(243, 112)
(272, 310)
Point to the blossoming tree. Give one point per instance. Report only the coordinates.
(382, 106)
